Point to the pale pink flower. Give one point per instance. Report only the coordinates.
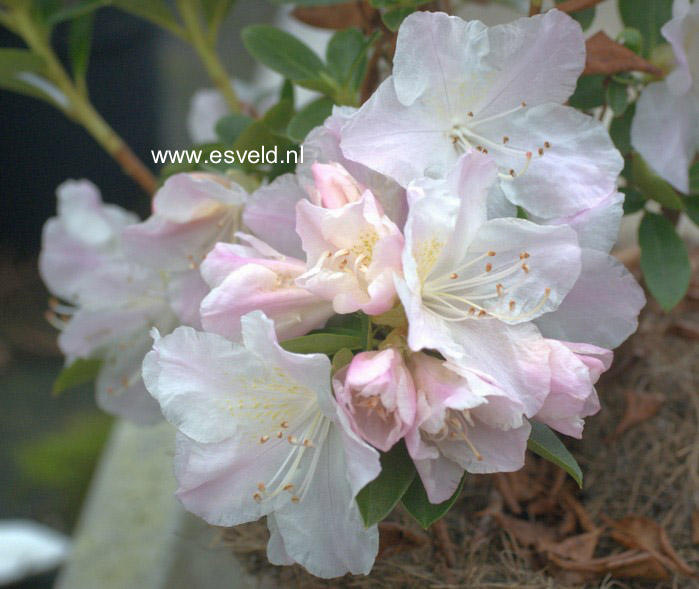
(377, 393)
(464, 422)
(260, 434)
(254, 276)
(322, 145)
(459, 85)
(191, 213)
(352, 253)
(113, 301)
(575, 368)
(665, 128)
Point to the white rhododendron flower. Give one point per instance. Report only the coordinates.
(191, 213)
(459, 85)
(665, 128)
(112, 301)
(261, 434)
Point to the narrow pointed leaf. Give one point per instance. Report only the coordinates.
(81, 371)
(418, 505)
(380, 496)
(545, 443)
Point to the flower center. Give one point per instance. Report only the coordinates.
(454, 429)
(295, 474)
(464, 135)
(456, 296)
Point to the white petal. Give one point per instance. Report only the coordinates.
(324, 532)
(578, 171)
(665, 131)
(601, 309)
(276, 553)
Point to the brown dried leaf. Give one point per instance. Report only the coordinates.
(574, 505)
(336, 17)
(576, 548)
(685, 329)
(695, 527)
(606, 57)
(394, 538)
(640, 406)
(628, 564)
(525, 532)
(635, 531)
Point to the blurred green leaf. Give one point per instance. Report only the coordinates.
(633, 200)
(230, 127)
(80, 44)
(545, 443)
(418, 505)
(15, 63)
(79, 372)
(377, 500)
(664, 260)
(653, 186)
(646, 16)
(692, 208)
(394, 18)
(75, 10)
(155, 11)
(620, 130)
(341, 359)
(584, 17)
(283, 53)
(321, 343)
(309, 117)
(589, 93)
(631, 39)
(216, 10)
(63, 460)
(617, 97)
(308, 2)
(694, 179)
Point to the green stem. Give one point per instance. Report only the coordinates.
(204, 45)
(79, 107)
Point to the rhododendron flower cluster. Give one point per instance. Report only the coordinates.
(387, 296)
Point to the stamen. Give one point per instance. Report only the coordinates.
(284, 424)
(505, 139)
(263, 439)
(257, 497)
(453, 276)
(488, 267)
(295, 499)
(547, 144)
(525, 268)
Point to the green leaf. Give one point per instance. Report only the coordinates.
(216, 10)
(16, 63)
(664, 260)
(694, 179)
(341, 359)
(545, 443)
(631, 39)
(633, 200)
(321, 343)
(279, 116)
(282, 52)
(584, 17)
(309, 117)
(653, 186)
(76, 10)
(155, 11)
(418, 505)
(647, 16)
(230, 127)
(79, 44)
(380, 496)
(692, 208)
(620, 130)
(617, 97)
(79, 372)
(395, 17)
(343, 49)
(589, 93)
(308, 2)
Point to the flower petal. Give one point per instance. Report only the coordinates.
(601, 309)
